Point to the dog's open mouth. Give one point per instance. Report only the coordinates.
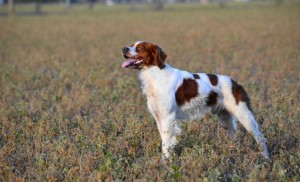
(133, 63)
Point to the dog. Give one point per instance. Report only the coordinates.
(174, 95)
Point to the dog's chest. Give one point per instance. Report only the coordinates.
(151, 91)
(149, 86)
(157, 92)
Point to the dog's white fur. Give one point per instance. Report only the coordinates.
(160, 86)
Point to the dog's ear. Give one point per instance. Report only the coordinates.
(159, 56)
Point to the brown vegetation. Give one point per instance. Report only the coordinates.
(68, 111)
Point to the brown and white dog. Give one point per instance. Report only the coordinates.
(174, 94)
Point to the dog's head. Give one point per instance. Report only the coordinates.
(142, 55)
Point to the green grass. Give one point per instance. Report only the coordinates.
(68, 111)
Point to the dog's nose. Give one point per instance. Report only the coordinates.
(125, 50)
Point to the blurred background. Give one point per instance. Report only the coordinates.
(13, 6)
(69, 112)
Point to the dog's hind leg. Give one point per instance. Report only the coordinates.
(228, 122)
(246, 118)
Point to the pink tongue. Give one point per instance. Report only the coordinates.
(127, 63)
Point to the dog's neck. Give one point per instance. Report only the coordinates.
(154, 77)
(154, 73)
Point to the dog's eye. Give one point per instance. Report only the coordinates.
(139, 49)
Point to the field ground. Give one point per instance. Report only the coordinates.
(69, 112)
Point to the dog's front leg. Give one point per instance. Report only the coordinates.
(169, 130)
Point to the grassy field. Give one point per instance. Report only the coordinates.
(68, 111)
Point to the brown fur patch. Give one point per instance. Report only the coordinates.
(187, 90)
(212, 98)
(196, 76)
(213, 79)
(240, 94)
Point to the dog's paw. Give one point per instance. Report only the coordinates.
(165, 160)
(266, 155)
(231, 133)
